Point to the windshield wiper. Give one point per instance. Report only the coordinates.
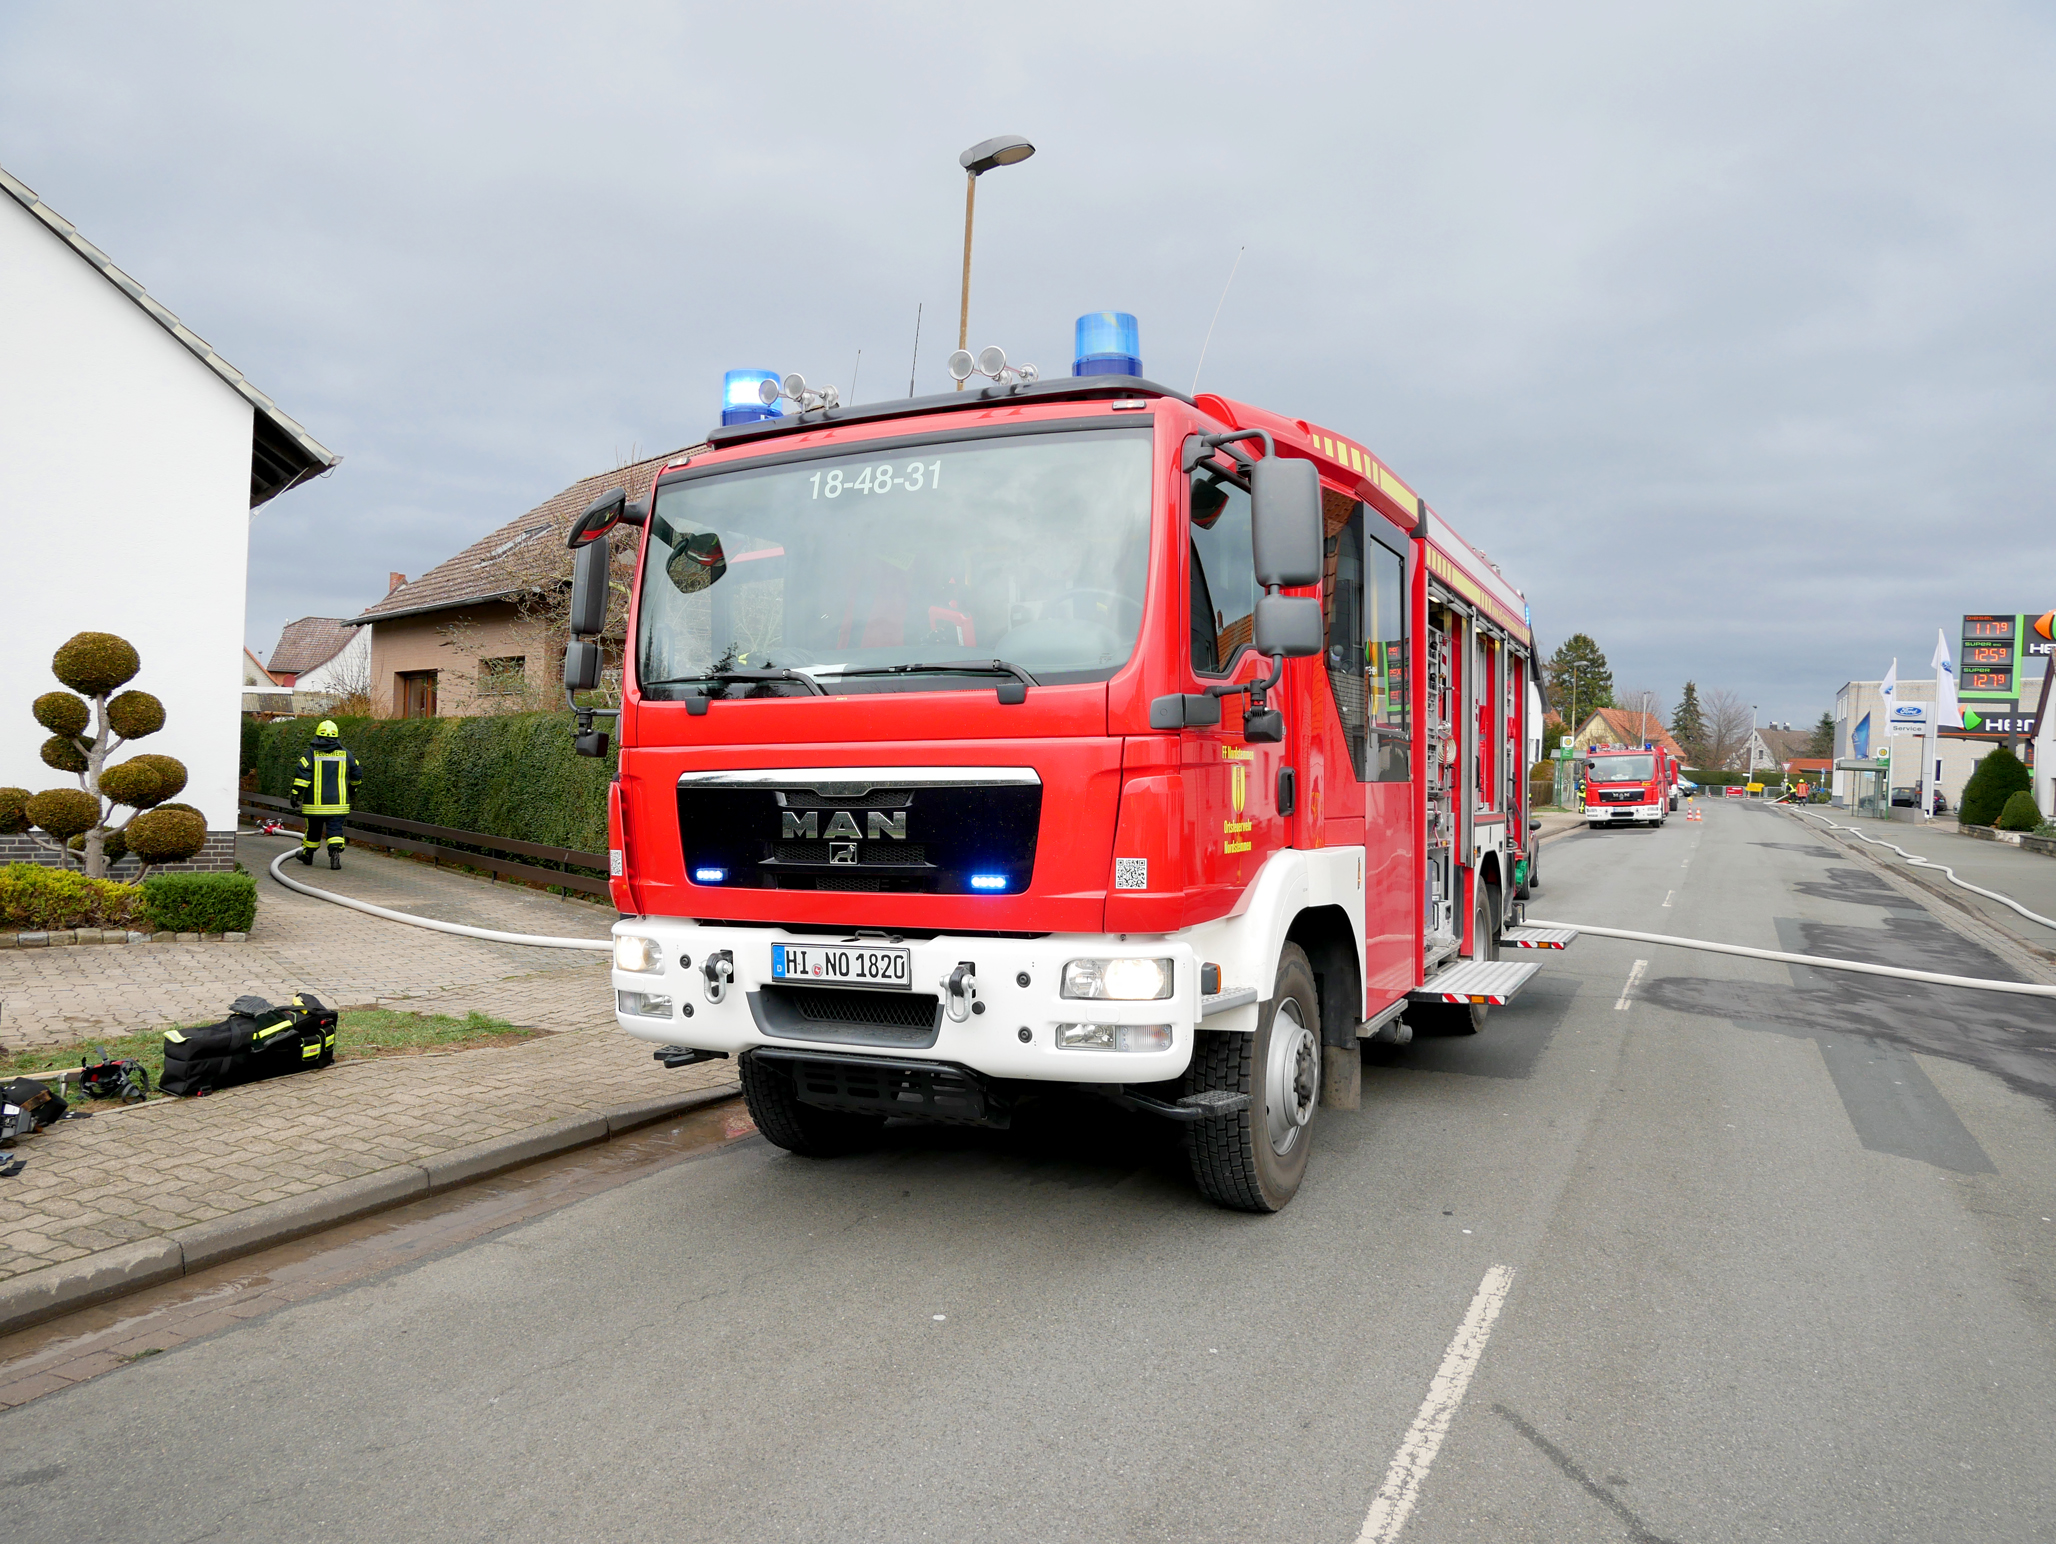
(773, 674)
(947, 667)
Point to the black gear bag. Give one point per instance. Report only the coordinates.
(256, 1041)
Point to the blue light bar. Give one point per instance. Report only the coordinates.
(988, 881)
(740, 403)
(1109, 343)
(710, 876)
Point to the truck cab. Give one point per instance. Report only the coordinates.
(1628, 785)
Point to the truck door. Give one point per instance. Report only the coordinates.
(1367, 670)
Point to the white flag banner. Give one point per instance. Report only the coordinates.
(1889, 689)
(1947, 709)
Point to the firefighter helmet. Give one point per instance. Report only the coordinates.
(327, 730)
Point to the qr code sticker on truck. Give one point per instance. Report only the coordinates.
(1131, 873)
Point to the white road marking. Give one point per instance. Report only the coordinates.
(1634, 975)
(1667, 895)
(1395, 1500)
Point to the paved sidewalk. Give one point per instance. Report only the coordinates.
(151, 1171)
(2029, 877)
(53, 996)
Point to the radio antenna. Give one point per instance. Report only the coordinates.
(855, 373)
(917, 349)
(1217, 316)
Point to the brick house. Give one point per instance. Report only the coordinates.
(480, 632)
(1624, 726)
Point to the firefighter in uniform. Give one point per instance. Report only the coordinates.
(322, 790)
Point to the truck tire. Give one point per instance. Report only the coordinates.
(800, 1128)
(1254, 1160)
(1464, 1018)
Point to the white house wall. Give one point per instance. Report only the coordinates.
(349, 666)
(125, 491)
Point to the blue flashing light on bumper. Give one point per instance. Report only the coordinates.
(988, 881)
(710, 876)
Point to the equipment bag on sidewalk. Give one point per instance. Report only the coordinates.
(256, 1041)
(35, 1106)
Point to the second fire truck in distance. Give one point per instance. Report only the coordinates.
(1629, 785)
(1073, 736)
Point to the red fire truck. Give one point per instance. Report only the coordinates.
(1070, 736)
(1629, 785)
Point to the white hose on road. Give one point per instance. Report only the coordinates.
(1919, 862)
(1977, 983)
(603, 945)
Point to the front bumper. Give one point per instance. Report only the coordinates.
(1624, 814)
(987, 1039)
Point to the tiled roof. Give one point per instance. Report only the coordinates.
(282, 454)
(1784, 744)
(489, 569)
(1630, 726)
(309, 642)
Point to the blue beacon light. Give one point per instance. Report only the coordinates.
(710, 876)
(740, 403)
(1109, 343)
(988, 881)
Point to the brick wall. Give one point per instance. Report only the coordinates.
(217, 857)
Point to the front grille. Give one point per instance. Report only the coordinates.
(869, 854)
(847, 1005)
(1622, 796)
(906, 1021)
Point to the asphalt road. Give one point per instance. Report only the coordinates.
(1781, 1268)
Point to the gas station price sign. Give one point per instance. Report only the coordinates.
(1996, 647)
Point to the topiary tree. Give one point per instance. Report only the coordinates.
(2020, 813)
(87, 724)
(1996, 779)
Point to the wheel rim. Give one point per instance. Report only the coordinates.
(1292, 1079)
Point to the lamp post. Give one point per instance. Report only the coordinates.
(1005, 150)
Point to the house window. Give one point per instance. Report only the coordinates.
(502, 677)
(415, 693)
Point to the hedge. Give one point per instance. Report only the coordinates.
(1995, 779)
(509, 774)
(200, 903)
(38, 899)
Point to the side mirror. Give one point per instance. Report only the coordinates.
(600, 517)
(1285, 526)
(589, 588)
(1289, 625)
(581, 665)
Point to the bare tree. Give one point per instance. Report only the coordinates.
(1630, 700)
(1729, 721)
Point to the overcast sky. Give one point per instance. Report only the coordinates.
(1725, 330)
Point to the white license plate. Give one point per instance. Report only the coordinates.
(841, 965)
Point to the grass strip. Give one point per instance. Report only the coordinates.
(360, 1033)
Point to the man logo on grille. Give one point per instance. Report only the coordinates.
(842, 852)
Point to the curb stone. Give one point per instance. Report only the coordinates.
(53, 1290)
(69, 937)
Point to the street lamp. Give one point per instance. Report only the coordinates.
(1004, 150)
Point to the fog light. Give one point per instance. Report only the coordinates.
(1114, 1037)
(634, 953)
(643, 1005)
(1126, 981)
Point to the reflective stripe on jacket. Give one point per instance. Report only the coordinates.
(324, 782)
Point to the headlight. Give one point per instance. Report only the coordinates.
(1114, 1037)
(1122, 981)
(633, 953)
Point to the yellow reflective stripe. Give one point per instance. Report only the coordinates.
(308, 1052)
(172, 1034)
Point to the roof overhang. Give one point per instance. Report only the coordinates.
(282, 454)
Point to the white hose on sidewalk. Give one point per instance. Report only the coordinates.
(1919, 862)
(603, 945)
(1977, 983)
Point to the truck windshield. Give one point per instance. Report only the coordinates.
(1030, 549)
(1620, 769)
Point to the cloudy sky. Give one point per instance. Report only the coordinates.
(1726, 330)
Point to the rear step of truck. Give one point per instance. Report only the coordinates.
(1538, 937)
(1476, 981)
